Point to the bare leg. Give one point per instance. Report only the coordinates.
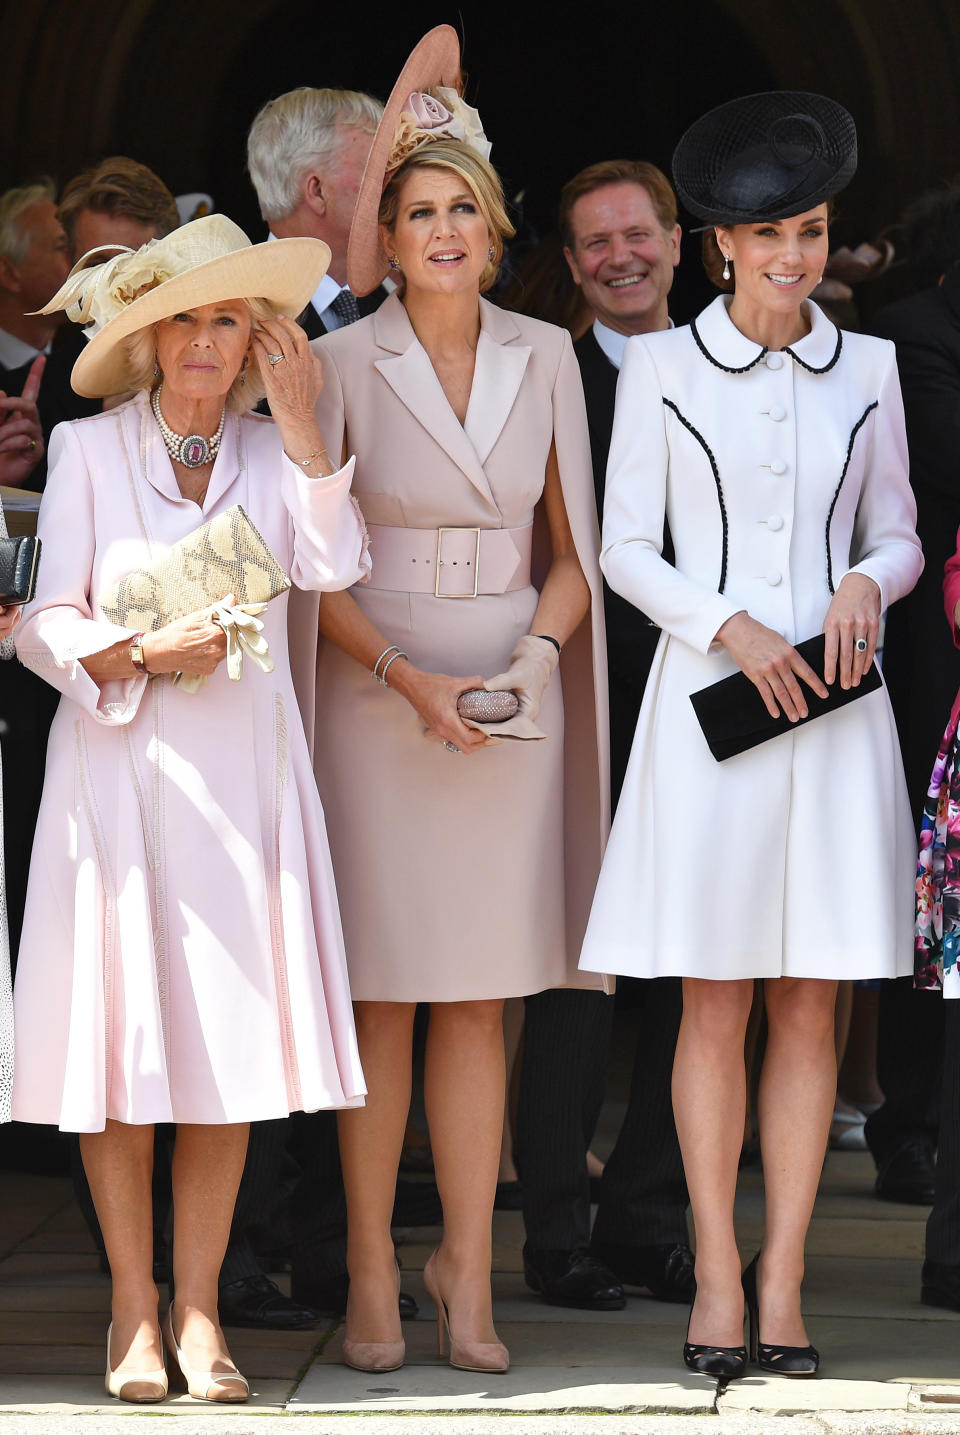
(709, 1102)
(797, 1091)
(464, 1091)
(119, 1166)
(371, 1138)
(207, 1166)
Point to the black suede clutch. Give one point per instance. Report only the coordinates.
(19, 558)
(734, 719)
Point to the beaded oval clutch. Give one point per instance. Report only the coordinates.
(481, 706)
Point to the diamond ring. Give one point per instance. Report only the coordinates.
(276, 359)
(451, 746)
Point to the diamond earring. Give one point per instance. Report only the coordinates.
(490, 253)
(394, 263)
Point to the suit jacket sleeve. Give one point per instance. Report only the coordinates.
(635, 508)
(59, 627)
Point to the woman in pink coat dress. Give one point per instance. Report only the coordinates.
(181, 958)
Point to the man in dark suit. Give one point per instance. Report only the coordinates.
(305, 153)
(919, 1035)
(618, 223)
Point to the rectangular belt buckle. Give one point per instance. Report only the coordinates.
(476, 563)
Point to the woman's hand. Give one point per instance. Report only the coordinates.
(532, 664)
(854, 614)
(771, 663)
(433, 696)
(293, 383)
(9, 618)
(194, 644)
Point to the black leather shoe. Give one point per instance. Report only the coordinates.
(665, 1271)
(940, 1285)
(572, 1278)
(257, 1303)
(329, 1297)
(907, 1174)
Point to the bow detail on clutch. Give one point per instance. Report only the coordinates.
(244, 633)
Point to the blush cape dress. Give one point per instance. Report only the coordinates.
(461, 878)
(182, 956)
(778, 473)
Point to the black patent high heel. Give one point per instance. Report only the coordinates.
(726, 1362)
(779, 1359)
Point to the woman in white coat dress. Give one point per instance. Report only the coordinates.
(181, 959)
(774, 445)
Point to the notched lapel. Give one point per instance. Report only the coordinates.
(412, 378)
(497, 377)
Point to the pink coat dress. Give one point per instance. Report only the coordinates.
(182, 956)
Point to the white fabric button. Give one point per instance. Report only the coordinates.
(774, 361)
(778, 466)
(774, 577)
(778, 413)
(775, 522)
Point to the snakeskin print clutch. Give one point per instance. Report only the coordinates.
(225, 555)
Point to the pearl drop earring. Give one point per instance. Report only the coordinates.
(726, 266)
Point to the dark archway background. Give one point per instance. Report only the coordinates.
(175, 83)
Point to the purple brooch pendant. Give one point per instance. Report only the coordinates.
(194, 451)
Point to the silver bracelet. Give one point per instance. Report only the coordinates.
(386, 667)
(374, 671)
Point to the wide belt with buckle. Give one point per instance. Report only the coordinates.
(450, 562)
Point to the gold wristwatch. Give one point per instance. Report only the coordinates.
(136, 654)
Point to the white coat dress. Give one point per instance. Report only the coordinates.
(182, 956)
(778, 473)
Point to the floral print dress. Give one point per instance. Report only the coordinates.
(937, 942)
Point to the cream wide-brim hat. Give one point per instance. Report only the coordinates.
(434, 61)
(208, 261)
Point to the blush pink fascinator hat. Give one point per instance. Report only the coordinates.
(424, 105)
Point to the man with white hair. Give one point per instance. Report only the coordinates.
(305, 152)
(34, 262)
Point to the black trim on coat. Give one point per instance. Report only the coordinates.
(846, 464)
(668, 403)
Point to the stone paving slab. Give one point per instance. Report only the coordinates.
(541, 1388)
(63, 1394)
(779, 1395)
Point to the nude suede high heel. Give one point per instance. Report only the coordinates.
(145, 1387)
(201, 1382)
(489, 1357)
(375, 1356)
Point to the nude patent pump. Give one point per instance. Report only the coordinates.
(144, 1387)
(201, 1383)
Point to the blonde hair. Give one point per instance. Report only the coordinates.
(481, 178)
(244, 393)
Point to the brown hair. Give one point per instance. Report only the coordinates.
(617, 171)
(119, 186)
(482, 180)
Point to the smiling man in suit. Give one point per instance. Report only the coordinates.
(618, 223)
(305, 153)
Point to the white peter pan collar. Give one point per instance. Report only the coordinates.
(720, 341)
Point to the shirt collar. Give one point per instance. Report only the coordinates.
(612, 342)
(14, 352)
(323, 297)
(720, 341)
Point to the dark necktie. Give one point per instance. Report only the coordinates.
(345, 307)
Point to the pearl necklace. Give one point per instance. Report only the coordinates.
(192, 450)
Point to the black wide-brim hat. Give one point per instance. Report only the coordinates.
(764, 157)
